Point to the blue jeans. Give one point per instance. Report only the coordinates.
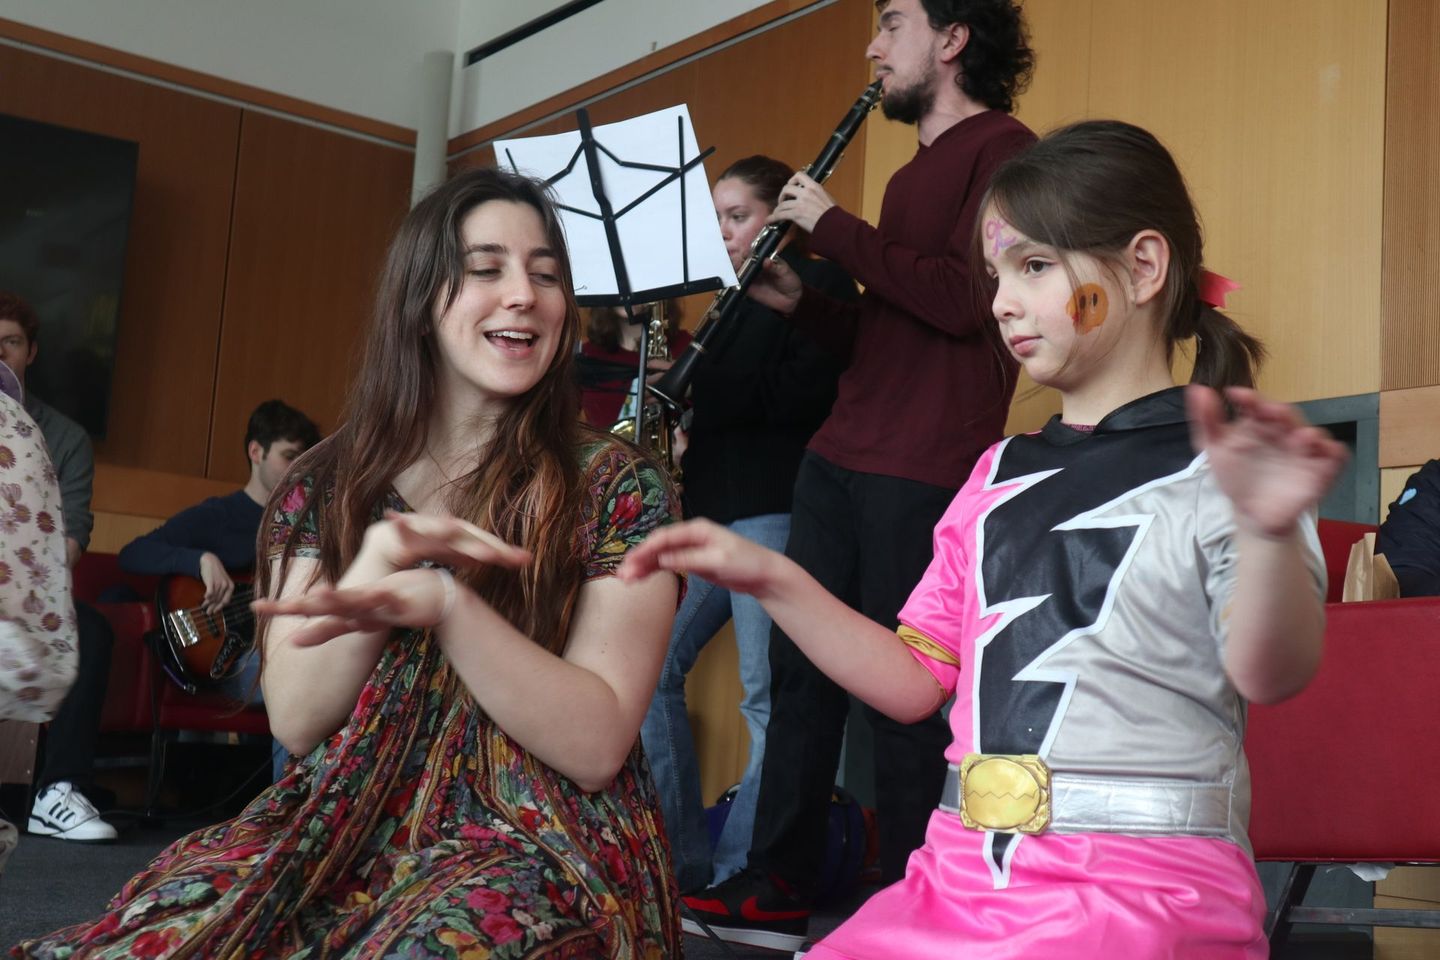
(244, 685)
(666, 734)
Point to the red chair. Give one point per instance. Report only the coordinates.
(139, 698)
(1348, 770)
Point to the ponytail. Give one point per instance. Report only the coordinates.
(1225, 355)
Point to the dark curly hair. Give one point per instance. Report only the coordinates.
(997, 62)
(14, 307)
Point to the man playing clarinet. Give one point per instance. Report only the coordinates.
(922, 395)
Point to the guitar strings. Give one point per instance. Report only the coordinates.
(238, 603)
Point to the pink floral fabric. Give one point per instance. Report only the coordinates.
(37, 615)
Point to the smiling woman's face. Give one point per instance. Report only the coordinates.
(500, 335)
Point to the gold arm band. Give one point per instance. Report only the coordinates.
(931, 649)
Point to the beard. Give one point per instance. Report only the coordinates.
(911, 103)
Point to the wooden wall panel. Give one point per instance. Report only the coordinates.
(175, 260)
(1282, 143)
(1410, 352)
(1409, 426)
(314, 212)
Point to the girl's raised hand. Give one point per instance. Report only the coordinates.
(707, 550)
(402, 540)
(1270, 463)
(410, 598)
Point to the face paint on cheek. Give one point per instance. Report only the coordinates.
(1088, 307)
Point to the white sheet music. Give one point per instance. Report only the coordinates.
(651, 233)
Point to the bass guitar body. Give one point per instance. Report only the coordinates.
(203, 647)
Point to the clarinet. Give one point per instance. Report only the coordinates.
(672, 387)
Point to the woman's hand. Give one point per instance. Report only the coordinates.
(1272, 465)
(707, 550)
(778, 287)
(410, 598)
(393, 594)
(402, 540)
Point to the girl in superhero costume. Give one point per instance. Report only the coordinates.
(1105, 597)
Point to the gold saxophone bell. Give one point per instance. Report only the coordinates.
(653, 433)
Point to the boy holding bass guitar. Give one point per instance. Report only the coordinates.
(214, 541)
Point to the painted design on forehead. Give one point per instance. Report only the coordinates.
(999, 239)
(1088, 307)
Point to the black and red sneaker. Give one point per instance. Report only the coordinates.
(749, 908)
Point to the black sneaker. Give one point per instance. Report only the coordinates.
(749, 908)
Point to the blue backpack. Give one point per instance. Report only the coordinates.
(847, 841)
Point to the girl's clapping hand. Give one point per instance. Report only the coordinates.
(707, 550)
(1268, 460)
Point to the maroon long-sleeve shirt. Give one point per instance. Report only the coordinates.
(924, 392)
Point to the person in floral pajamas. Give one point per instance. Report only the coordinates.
(37, 615)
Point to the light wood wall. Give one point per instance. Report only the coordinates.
(254, 244)
(1410, 326)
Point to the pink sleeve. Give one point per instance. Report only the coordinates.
(940, 613)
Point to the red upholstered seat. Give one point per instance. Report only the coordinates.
(1347, 771)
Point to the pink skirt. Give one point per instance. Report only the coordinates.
(1078, 896)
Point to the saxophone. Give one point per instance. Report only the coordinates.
(672, 387)
(652, 432)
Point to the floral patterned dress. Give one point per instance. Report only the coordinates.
(37, 617)
(421, 830)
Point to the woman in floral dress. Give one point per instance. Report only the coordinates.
(468, 783)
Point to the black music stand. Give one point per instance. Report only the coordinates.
(656, 194)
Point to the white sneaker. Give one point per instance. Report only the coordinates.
(63, 812)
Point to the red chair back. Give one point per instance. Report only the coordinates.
(1349, 769)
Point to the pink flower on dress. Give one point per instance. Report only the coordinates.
(51, 621)
(21, 513)
(627, 508)
(7, 457)
(155, 943)
(10, 492)
(485, 900)
(25, 555)
(45, 522)
(500, 928)
(294, 500)
(5, 573)
(32, 604)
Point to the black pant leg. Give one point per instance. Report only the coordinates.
(70, 737)
(807, 710)
(898, 519)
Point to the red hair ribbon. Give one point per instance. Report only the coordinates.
(1213, 289)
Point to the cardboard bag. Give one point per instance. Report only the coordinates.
(1368, 575)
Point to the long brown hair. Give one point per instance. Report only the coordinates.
(1090, 188)
(525, 485)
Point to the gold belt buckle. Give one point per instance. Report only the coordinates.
(1005, 793)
